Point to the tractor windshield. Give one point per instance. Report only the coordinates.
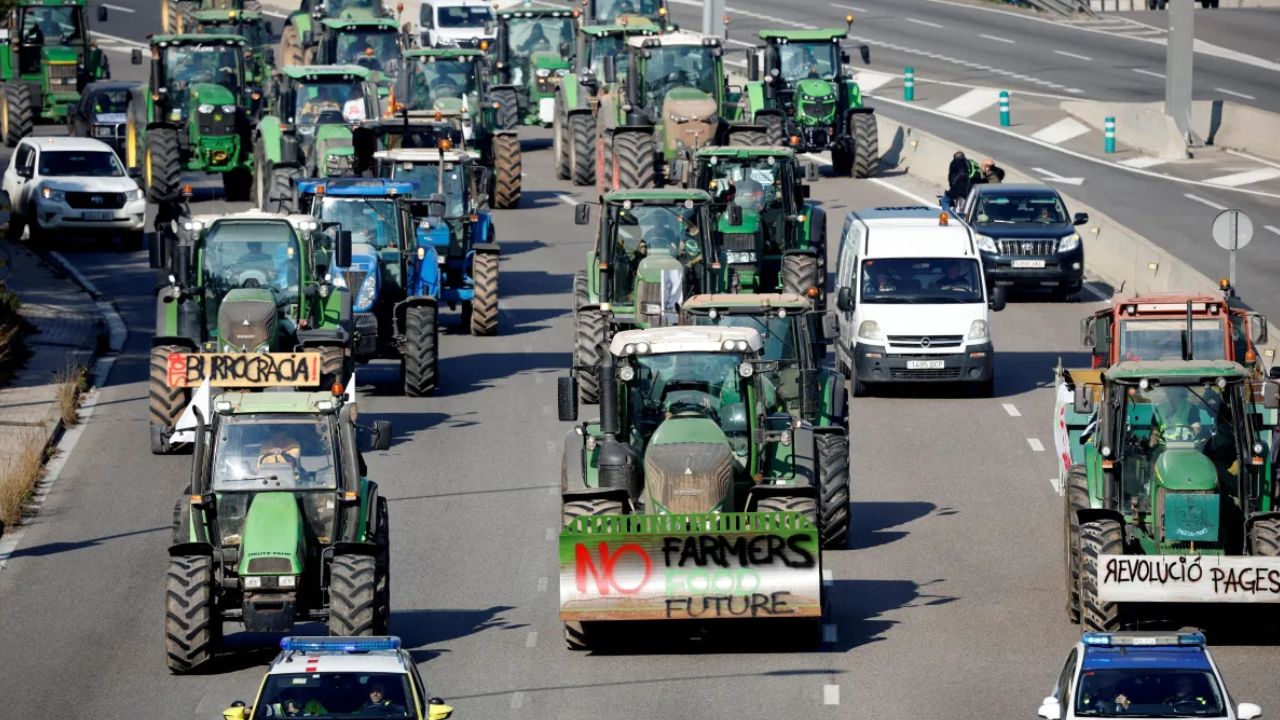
(336, 695)
(777, 331)
(809, 60)
(427, 175)
(528, 35)
(371, 220)
(608, 11)
(51, 24)
(703, 383)
(439, 78)
(373, 48)
(186, 65)
(1161, 339)
(638, 228)
(605, 46)
(921, 281)
(673, 66)
(250, 255)
(1162, 692)
(755, 184)
(257, 453)
(334, 102)
(354, 8)
(255, 31)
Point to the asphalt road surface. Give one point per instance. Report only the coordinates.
(948, 602)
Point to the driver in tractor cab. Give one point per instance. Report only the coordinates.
(749, 195)
(1180, 416)
(280, 449)
(537, 41)
(803, 63)
(323, 101)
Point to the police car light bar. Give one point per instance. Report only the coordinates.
(1139, 639)
(339, 644)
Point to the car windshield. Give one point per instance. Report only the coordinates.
(369, 220)
(80, 163)
(756, 182)
(472, 16)
(216, 64)
(921, 280)
(108, 102)
(809, 60)
(273, 452)
(1019, 210)
(1148, 692)
(329, 103)
(439, 78)
(427, 175)
(51, 24)
(249, 255)
(676, 66)
(538, 34)
(336, 695)
(375, 49)
(1162, 339)
(608, 11)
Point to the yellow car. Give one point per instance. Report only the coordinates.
(342, 677)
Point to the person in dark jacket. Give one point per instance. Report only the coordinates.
(959, 180)
(992, 173)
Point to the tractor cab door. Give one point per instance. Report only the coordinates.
(29, 39)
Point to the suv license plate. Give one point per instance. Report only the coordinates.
(97, 215)
(1028, 263)
(926, 364)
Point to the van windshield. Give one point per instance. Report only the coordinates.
(921, 281)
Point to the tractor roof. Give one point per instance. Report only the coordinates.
(634, 26)
(527, 10)
(448, 53)
(822, 35)
(1169, 302)
(200, 39)
(425, 155)
(657, 195)
(685, 339)
(321, 72)
(300, 222)
(357, 187)
(295, 401)
(360, 22)
(1136, 370)
(748, 301)
(746, 151)
(680, 38)
(29, 3)
(215, 16)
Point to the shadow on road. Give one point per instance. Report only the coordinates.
(420, 628)
(534, 282)
(55, 548)
(870, 522)
(469, 373)
(858, 608)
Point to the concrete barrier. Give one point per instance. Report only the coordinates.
(1132, 5)
(1221, 123)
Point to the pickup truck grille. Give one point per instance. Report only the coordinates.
(1028, 246)
(85, 201)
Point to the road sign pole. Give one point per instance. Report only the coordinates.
(1179, 54)
(1232, 230)
(1235, 245)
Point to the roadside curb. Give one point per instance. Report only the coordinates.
(61, 440)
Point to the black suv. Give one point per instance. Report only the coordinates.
(1027, 239)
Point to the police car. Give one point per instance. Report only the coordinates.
(331, 677)
(1142, 674)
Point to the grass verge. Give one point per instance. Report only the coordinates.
(71, 383)
(18, 478)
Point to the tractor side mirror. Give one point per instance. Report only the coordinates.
(581, 214)
(567, 398)
(865, 52)
(102, 13)
(735, 214)
(436, 205)
(1258, 328)
(805, 190)
(1083, 402)
(1271, 393)
(342, 250)
(1089, 332)
(1080, 219)
(610, 70)
(844, 58)
(135, 57)
(844, 299)
(811, 172)
(830, 326)
(381, 439)
(999, 296)
(753, 65)
(490, 29)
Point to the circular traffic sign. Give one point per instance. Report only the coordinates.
(1232, 229)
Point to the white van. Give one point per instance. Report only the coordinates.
(455, 23)
(913, 301)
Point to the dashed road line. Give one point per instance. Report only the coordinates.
(972, 102)
(1204, 201)
(854, 8)
(1271, 229)
(1011, 409)
(1035, 444)
(119, 8)
(517, 700)
(566, 198)
(998, 39)
(830, 694)
(1152, 73)
(903, 192)
(877, 42)
(925, 23)
(1061, 131)
(1236, 94)
(1076, 56)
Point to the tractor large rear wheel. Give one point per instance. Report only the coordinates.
(588, 341)
(787, 503)
(1077, 498)
(1098, 538)
(508, 115)
(165, 403)
(17, 117)
(833, 488)
(799, 274)
(752, 138)
(507, 167)
(353, 591)
(866, 144)
(1264, 537)
(420, 360)
(281, 186)
(583, 636)
(382, 588)
(774, 132)
(334, 367)
(634, 154)
(582, 145)
(192, 630)
(290, 47)
(162, 164)
(484, 303)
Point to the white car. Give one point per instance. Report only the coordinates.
(72, 184)
(455, 23)
(1142, 674)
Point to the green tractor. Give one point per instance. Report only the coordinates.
(689, 498)
(279, 525)
(532, 52)
(180, 16)
(576, 99)
(248, 24)
(305, 21)
(650, 253)
(672, 101)
(796, 337)
(626, 12)
(307, 131)
(48, 60)
(774, 240)
(375, 44)
(452, 84)
(240, 289)
(197, 115)
(807, 99)
(1170, 492)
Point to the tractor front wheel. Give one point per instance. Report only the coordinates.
(163, 171)
(833, 479)
(353, 591)
(166, 403)
(507, 167)
(633, 156)
(419, 362)
(799, 274)
(1264, 537)
(484, 303)
(774, 132)
(1098, 538)
(16, 116)
(582, 636)
(588, 339)
(806, 506)
(191, 628)
(866, 144)
(282, 186)
(579, 289)
(333, 365)
(382, 589)
(582, 143)
(1077, 498)
(508, 108)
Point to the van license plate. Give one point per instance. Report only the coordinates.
(1028, 263)
(926, 364)
(97, 215)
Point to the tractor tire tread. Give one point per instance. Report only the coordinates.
(484, 304)
(866, 144)
(1098, 538)
(421, 350)
(353, 581)
(191, 628)
(506, 172)
(833, 488)
(635, 155)
(165, 404)
(588, 337)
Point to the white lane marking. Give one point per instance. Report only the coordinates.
(829, 633)
(1095, 293)
(870, 80)
(1053, 483)
(567, 198)
(736, 63)
(967, 64)
(119, 40)
(1143, 162)
(1011, 409)
(551, 446)
(551, 534)
(828, 578)
(1245, 178)
(1237, 94)
(1271, 229)
(816, 158)
(747, 13)
(119, 8)
(997, 38)
(741, 43)
(517, 700)
(926, 23)
(1076, 56)
(971, 103)
(854, 8)
(1254, 158)
(903, 192)
(1152, 73)
(532, 639)
(1061, 131)
(830, 694)
(1036, 445)
(542, 584)
(1050, 176)
(1203, 201)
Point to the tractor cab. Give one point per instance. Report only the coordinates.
(320, 106)
(625, 12)
(448, 80)
(677, 80)
(373, 44)
(199, 77)
(533, 50)
(248, 24)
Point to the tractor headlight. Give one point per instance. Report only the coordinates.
(562, 72)
(175, 115)
(1069, 242)
(204, 109)
(740, 257)
(870, 330)
(677, 118)
(978, 330)
(288, 581)
(626, 373)
(542, 72)
(366, 294)
(746, 369)
(54, 195)
(252, 583)
(987, 244)
(228, 108)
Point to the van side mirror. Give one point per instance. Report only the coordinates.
(735, 214)
(102, 13)
(1258, 328)
(610, 70)
(1080, 219)
(998, 298)
(381, 435)
(865, 52)
(342, 251)
(567, 398)
(581, 214)
(135, 57)
(844, 299)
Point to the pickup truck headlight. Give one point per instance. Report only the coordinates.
(987, 244)
(978, 330)
(366, 294)
(54, 195)
(870, 330)
(133, 195)
(1069, 243)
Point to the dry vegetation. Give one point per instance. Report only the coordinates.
(13, 328)
(71, 383)
(18, 477)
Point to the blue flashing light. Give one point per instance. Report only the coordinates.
(364, 187)
(339, 644)
(1096, 639)
(1191, 638)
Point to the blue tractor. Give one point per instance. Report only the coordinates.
(451, 210)
(393, 276)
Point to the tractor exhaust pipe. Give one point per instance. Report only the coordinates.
(610, 423)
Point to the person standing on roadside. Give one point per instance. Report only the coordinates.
(960, 176)
(992, 173)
